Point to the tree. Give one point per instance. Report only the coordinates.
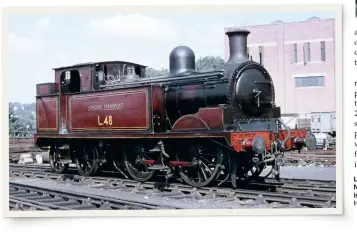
(22, 117)
(150, 72)
(209, 62)
(12, 118)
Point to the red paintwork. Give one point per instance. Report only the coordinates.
(158, 104)
(47, 114)
(239, 138)
(206, 119)
(43, 89)
(242, 141)
(247, 144)
(58, 81)
(179, 163)
(148, 162)
(46, 89)
(131, 110)
(293, 134)
(86, 78)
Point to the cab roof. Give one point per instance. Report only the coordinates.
(95, 63)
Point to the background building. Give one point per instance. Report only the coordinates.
(300, 58)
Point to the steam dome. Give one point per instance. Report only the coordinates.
(182, 59)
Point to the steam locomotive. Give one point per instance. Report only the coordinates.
(197, 126)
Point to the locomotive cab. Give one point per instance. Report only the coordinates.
(111, 73)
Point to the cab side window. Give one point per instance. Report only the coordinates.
(70, 81)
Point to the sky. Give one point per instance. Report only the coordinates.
(37, 43)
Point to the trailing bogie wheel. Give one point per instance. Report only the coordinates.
(54, 158)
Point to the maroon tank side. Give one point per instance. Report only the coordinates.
(116, 110)
(47, 114)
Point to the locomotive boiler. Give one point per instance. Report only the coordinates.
(200, 127)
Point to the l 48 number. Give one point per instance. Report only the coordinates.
(108, 120)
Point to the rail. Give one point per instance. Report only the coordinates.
(15, 135)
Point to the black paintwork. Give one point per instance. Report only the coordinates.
(182, 60)
(237, 46)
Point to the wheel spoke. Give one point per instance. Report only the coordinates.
(203, 158)
(208, 169)
(88, 165)
(204, 173)
(199, 177)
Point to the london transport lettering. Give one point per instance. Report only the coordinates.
(108, 119)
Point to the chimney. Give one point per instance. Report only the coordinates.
(237, 45)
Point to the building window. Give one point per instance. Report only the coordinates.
(261, 55)
(323, 52)
(249, 55)
(307, 52)
(294, 53)
(310, 81)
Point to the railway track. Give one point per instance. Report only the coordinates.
(314, 152)
(300, 193)
(324, 158)
(73, 170)
(23, 197)
(312, 155)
